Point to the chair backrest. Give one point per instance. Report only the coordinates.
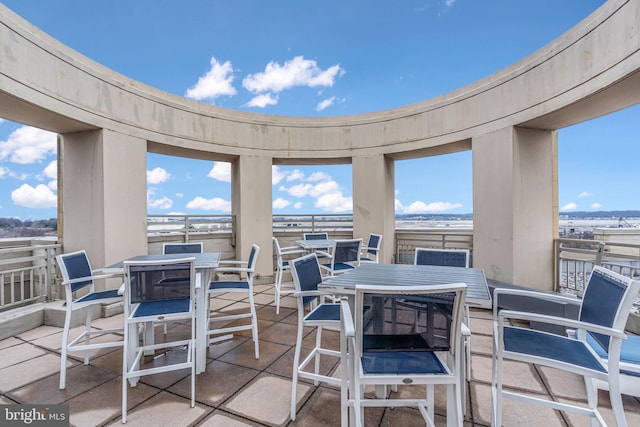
(408, 318)
(444, 257)
(276, 244)
(315, 236)
(374, 243)
(182, 248)
(251, 262)
(144, 280)
(346, 251)
(306, 275)
(75, 265)
(607, 300)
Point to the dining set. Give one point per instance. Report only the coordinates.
(400, 324)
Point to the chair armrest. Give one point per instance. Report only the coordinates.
(84, 279)
(570, 323)
(320, 253)
(292, 250)
(529, 294)
(231, 262)
(464, 330)
(348, 328)
(232, 270)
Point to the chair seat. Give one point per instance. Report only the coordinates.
(545, 345)
(101, 295)
(324, 312)
(629, 351)
(164, 307)
(401, 363)
(230, 285)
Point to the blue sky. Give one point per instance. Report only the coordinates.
(325, 58)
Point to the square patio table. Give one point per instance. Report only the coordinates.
(411, 275)
(204, 263)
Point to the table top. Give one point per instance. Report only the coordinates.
(407, 275)
(315, 243)
(203, 260)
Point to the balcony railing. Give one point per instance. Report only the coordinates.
(28, 272)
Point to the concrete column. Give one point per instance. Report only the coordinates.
(374, 201)
(515, 205)
(103, 183)
(251, 204)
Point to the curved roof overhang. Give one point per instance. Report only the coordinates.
(590, 71)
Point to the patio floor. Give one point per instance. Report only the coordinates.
(238, 390)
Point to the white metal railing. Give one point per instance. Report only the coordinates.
(299, 224)
(27, 274)
(407, 240)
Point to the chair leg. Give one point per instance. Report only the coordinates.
(87, 331)
(64, 349)
(615, 397)
(254, 324)
(296, 363)
(317, 356)
(277, 290)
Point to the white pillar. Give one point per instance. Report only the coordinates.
(251, 204)
(515, 205)
(103, 183)
(374, 201)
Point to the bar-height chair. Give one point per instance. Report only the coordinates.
(450, 258)
(419, 345)
(371, 252)
(343, 256)
(306, 277)
(245, 269)
(282, 265)
(179, 249)
(603, 313)
(147, 302)
(77, 276)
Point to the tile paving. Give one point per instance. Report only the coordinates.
(238, 390)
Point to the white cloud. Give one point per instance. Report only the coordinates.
(299, 190)
(4, 171)
(295, 175)
(215, 204)
(398, 205)
(298, 205)
(221, 171)
(295, 72)
(449, 3)
(584, 194)
(596, 205)
(157, 176)
(280, 203)
(27, 145)
(277, 174)
(39, 197)
(318, 176)
(162, 203)
(422, 207)
(326, 103)
(53, 185)
(569, 206)
(51, 171)
(217, 82)
(334, 202)
(263, 100)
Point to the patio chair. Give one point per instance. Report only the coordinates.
(604, 310)
(146, 302)
(450, 258)
(182, 248)
(371, 252)
(306, 277)
(447, 257)
(420, 345)
(243, 285)
(178, 249)
(317, 236)
(77, 276)
(629, 363)
(282, 265)
(343, 256)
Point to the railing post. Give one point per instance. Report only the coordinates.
(600, 253)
